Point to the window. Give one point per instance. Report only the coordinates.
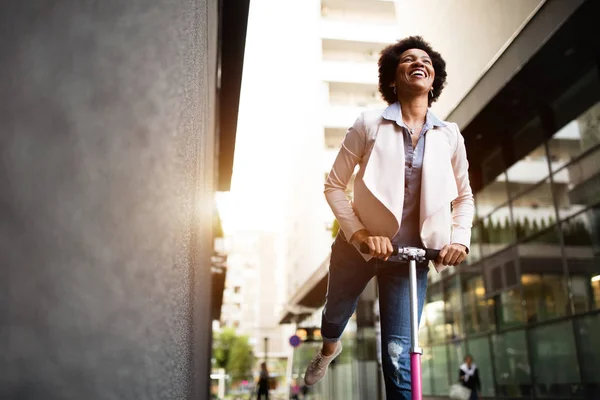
(587, 332)
(581, 234)
(478, 311)
(575, 137)
(475, 249)
(544, 296)
(496, 231)
(581, 293)
(577, 186)
(492, 196)
(456, 356)
(509, 311)
(427, 372)
(434, 313)
(531, 165)
(554, 360)
(533, 211)
(513, 372)
(479, 349)
(439, 362)
(453, 308)
(423, 331)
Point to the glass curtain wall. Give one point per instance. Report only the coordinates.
(526, 305)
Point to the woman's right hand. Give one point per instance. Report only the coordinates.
(380, 246)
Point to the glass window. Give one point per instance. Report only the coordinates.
(509, 311)
(453, 308)
(596, 288)
(456, 353)
(423, 333)
(533, 211)
(513, 372)
(581, 234)
(491, 196)
(554, 360)
(496, 231)
(531, 166)
(589, 340)
(478, 311)
(577, 185)
(434, 313)
(575, 137)
(494, 193)
(544, 296)
(582, 294)
(439, 362)
(475, 249)
(479, 349)
(426, 371)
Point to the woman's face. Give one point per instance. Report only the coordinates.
(415, 72)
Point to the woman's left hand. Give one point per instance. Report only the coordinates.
(452, 254)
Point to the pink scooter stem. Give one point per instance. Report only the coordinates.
(412, 254)
(415, 350)
(415, 376)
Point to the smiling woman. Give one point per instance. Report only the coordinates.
(401, 55)
(403, 194)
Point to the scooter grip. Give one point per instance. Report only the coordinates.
(364, 248)
(431, 254)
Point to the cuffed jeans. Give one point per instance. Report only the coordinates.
(349, 273)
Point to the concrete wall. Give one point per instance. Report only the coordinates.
(106, 182)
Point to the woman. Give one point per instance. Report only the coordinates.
(294, 390)
(413, 169)
(263, 382)
(469, 377)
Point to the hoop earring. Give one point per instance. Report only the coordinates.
(431, 91)
(394, 87)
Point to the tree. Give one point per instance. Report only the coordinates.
(233, 353)
(222, 344)
(241, 359)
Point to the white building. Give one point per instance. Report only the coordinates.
(310, 68)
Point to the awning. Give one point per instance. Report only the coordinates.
(309, 296)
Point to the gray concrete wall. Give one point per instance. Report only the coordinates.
(106, 181)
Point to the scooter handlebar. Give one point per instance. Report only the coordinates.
(430, 254)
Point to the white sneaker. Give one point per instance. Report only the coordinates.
(317, 368)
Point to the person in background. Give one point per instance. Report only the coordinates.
(469, 376)
(263, 382)
(294, 390)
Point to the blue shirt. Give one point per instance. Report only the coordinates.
(409, 233)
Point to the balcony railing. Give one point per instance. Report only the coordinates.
(359, 31)
(353, 72)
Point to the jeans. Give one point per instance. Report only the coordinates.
(349, 273)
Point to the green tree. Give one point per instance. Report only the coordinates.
(233, 353)
(222, 344)
(241, 360)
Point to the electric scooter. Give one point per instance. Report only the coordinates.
(412, 255)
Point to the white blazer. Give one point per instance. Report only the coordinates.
(377, 146)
